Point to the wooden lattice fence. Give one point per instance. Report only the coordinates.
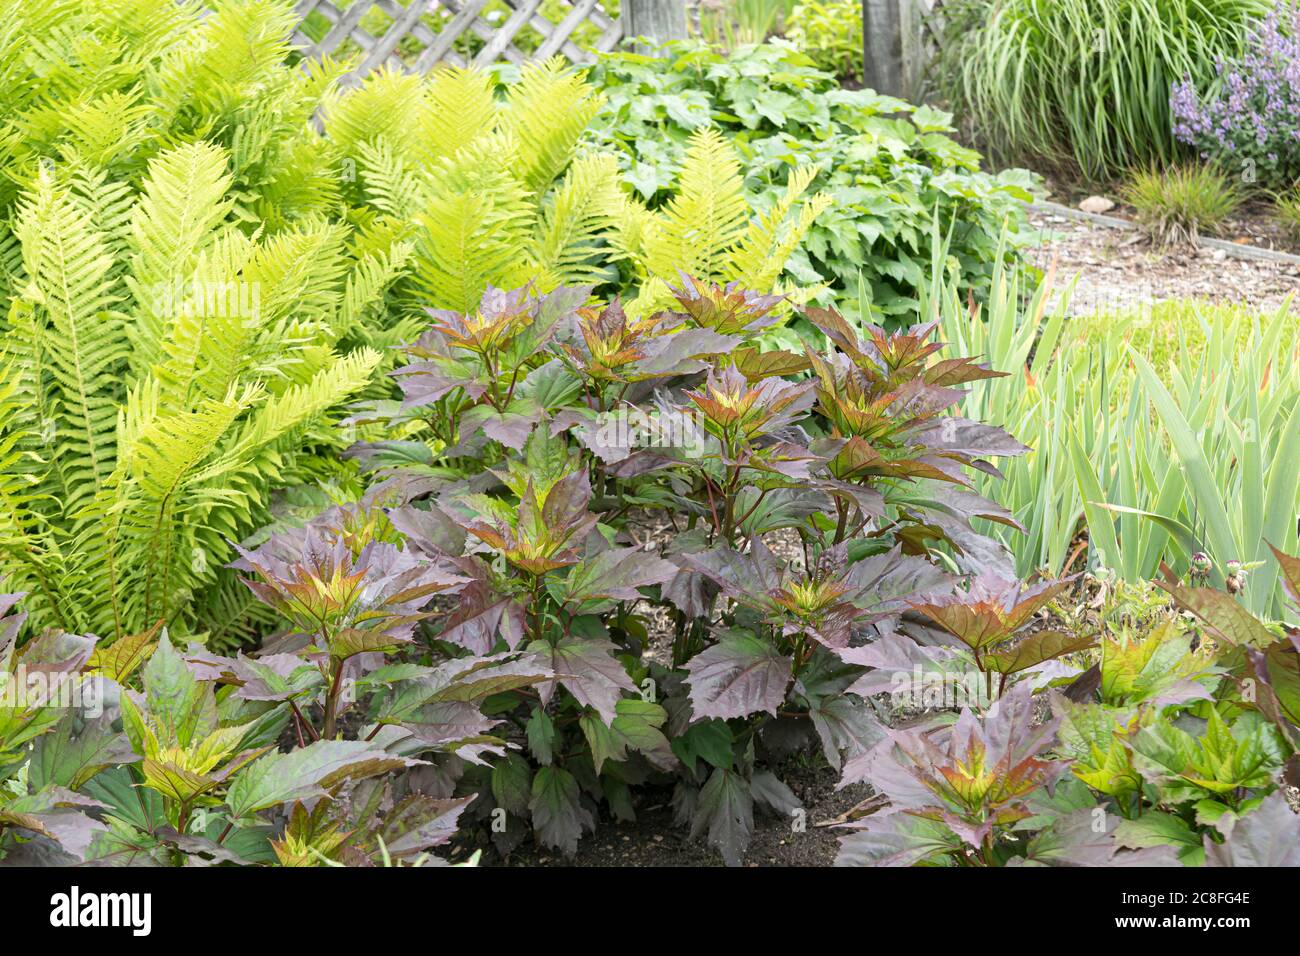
(899, 36)
(418, 36)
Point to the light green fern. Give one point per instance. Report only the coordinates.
(709, 230)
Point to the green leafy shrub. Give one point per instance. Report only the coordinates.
(830, 33)
(1085, 83)
(1154, 755)
(1177, 204)
(516, 416)
(893, 178)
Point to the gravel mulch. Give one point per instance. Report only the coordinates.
(1118, 269)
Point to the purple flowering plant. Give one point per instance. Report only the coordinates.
(1249, 120)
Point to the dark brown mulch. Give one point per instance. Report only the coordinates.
(654, 840)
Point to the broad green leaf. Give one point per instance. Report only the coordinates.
(559, 818)
(725, 810)
(305, 773)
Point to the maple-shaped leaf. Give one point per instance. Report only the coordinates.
(419, 823)
(587, 669)
(58, 814)
(1267, 836)
(119, 660)
(973, 777)
(308, 772)
(897, 839)
(77, 750)
(559, 818)
(482, 617)
(1225, 616)
(738, 676)
(724, 811)
(614, 574)
(635, 727)
(1074, 839)
(370, 600)
(991, 611)
(728, 309)
(1034, 649)
(1220, 761)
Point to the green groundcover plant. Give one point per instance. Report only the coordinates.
(891, 168)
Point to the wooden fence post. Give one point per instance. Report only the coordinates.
(882, 46)
(657, 20)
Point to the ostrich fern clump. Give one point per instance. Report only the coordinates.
(495, 187)
(195, 274)
(182, 302)
(165, 366)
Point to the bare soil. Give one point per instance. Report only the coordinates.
(654, 839)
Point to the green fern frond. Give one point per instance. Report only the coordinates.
(71, 278)
(304, 184)
(170, 446)
(771, 238)
(140, 512)
(210, 323)
(546, 112)
(706, 217)
(389, 105)
(461, 106)
(184, 201)
(367, 281)
(709, 231)
(575, 222)
(297, 407)
(388, 181)
(237, 45)
(103, 130)
(232, 615)
(474, 226)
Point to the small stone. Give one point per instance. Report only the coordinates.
(1097, 205)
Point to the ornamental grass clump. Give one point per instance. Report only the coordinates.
(1176, 205)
